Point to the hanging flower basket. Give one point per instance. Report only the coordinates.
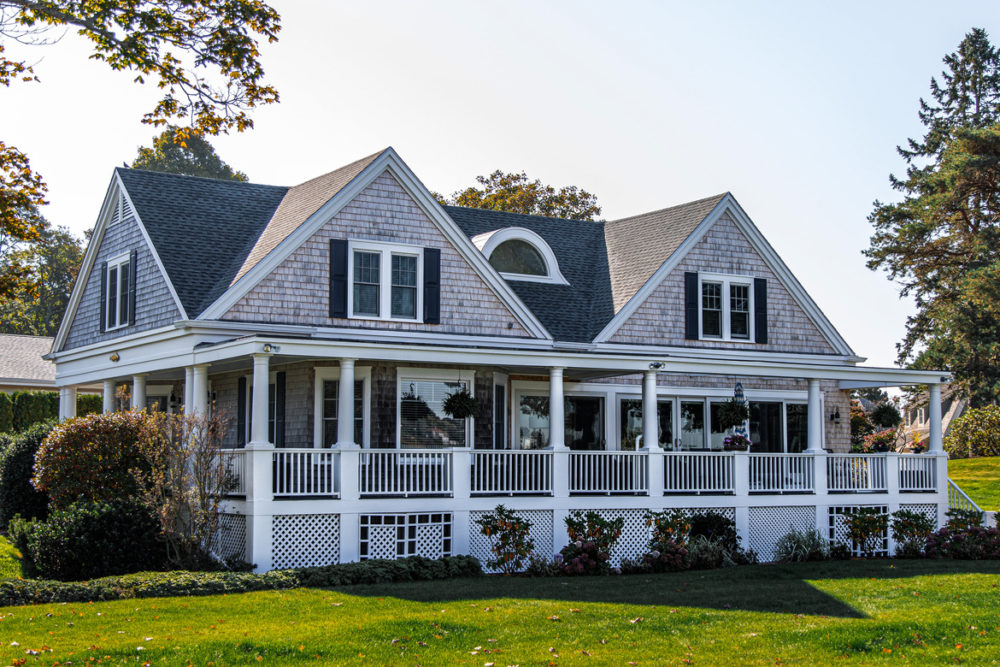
(461, 405)
(731, 413)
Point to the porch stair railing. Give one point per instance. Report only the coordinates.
(959, 500)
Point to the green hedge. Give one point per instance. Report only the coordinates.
(23, 409)
(176, 584)
(17, 458)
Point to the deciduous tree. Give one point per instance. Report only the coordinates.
(191, 156)
(516, 193)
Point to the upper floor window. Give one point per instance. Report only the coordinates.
(119, 292)
(384, 281)
(725, 306)
(517, 256)
(520, 254)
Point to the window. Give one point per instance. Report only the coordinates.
(517, 256)
(692, 425)
(725, 306)
(423, 423)
(778, 427)
(384, 281)
(326, 406)
(631, 422)
(116, 297)
(518, 253)
(533, 422)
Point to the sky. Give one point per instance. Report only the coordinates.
(794, 107)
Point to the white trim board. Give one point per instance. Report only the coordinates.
(728, 204)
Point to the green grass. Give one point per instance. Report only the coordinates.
(877, 612)
(979, 478)
(10, 560)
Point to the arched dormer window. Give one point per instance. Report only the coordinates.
(520, 254)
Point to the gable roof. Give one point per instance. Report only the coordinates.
(22, 361)
(575, 312)
(640, 244)
(202, 228)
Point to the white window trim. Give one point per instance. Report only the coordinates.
(439, 375)
(119, 262)
(489, 241)
(501, 380)
(726, 280)
(324, 373)
(386, 250)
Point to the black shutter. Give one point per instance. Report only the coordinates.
(691, 305)
(241, 412)
(104, 297)
(338, 278)
(432, 286)
(279, 409)
(131, 287)
(760, 309)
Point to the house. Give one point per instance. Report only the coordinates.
(916, 415)
(597, 354)
(22, 367)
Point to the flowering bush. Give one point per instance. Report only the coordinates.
(918, 446)
(968, 543)
(867, 528)
(668, 526)
(963, 519)
(509, 539)
(592, 527)
(584, 558)
(669, 557)
(736, 443)
(879, 441)
(910, 530)
(93, 457)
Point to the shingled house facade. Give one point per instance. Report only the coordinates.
(597, 355)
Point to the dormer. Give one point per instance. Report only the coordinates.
(520, 254)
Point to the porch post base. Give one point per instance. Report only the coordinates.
(259, 542)
(350, 537)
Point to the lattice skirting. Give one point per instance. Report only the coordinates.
(232, 538)
(635, 534)
(929, 510)
(838, 530)
(540, 533)
(303, 540)
(400, 535)
(767, 525)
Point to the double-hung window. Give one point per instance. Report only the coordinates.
(725, 306)
(385, 279)
(117, 291)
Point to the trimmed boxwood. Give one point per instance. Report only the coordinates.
(17, 457)
(167, 584)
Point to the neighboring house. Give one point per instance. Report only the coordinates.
(22, 367)
(916, 414)
(597, 353)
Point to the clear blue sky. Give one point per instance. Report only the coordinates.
(794, 107)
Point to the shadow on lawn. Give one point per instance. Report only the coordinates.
(783, 589)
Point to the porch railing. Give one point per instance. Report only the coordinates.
(234, 466)
(782, 473)
(699, 472)
(511, 473)
(853, 473)
(958, 500)
(606, 473)
(405, 473)
(917, 473)
(301, 473)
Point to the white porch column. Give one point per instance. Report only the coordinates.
(258, 417)
(188, 389)
(199, 392)
(109, 396)
(936, 445)
(650, 421)
(345, 406)
(138, 392)
(815, 417)
(557, 414)
(67, 403)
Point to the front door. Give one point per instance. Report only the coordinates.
(585, 422)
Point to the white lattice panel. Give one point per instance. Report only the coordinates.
(769, 524)
(401, 535)
(232, 539)
(838, 530)
(303, 540)
(635, 534)
(728, 512)
(929, 510)
(540, 533)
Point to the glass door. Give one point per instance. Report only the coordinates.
(585, 423)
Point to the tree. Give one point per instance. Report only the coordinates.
(193, 156)
(202, 54)
(941, 243)
(55, 261)
(516, 193)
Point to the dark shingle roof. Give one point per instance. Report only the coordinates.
(202, 228)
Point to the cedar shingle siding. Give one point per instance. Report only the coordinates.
(154, 306)
(723, 249)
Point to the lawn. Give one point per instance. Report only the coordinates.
(980, 478)
(917, 612)
(10, 561)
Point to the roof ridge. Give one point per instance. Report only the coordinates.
(719, 197)
(522, 215)
(369, 158)
(199, 178)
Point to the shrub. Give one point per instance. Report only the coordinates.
(968, 543)
(668, 526)
(592, 527)
(861, 425)
(796, 547)
(886, 415)
(88, 540)
(17, 495)
(6, 413)
(866, 527)
(705, 553)
(910, 530)
(378, 571)
(721, 529)
(963, 519)
(840, 551)
(670, 556)
(89, 404)
(93, 457)
(975, 433)
(879, 441)
(539, 566)
(509, 538)
(32, 407)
